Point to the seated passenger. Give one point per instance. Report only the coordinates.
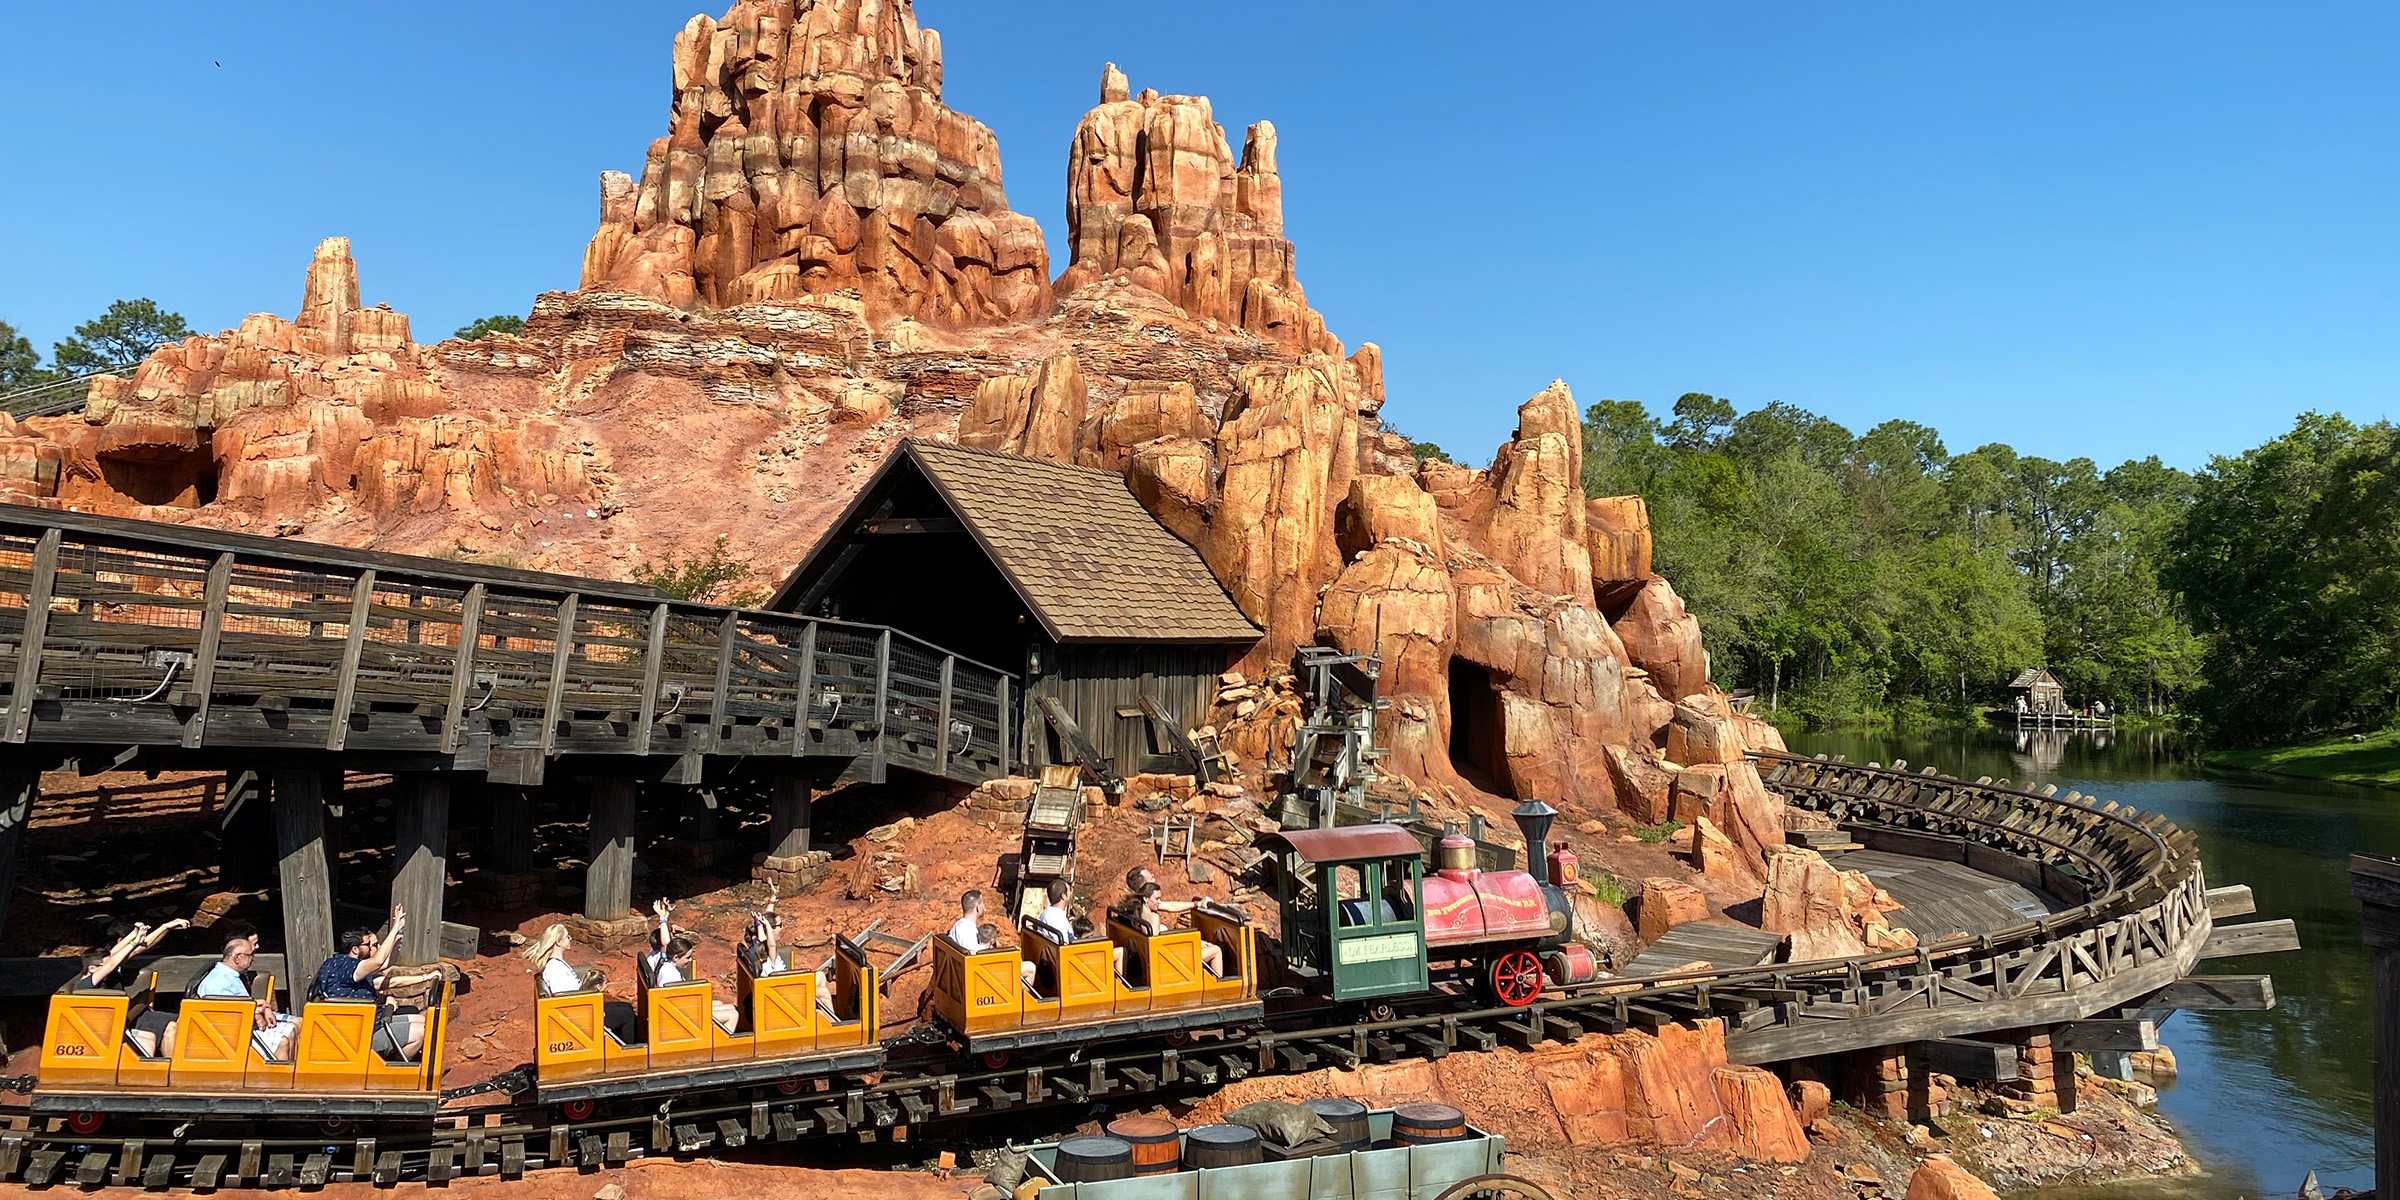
(1149, 919)
(678, 969)
(967, 932)
(358, 970)
(1053, 920)
(554, 975)
(271, 1030)
(758, 949)
(659, 937)
(152, 1032)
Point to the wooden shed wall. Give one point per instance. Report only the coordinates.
(1094, 682)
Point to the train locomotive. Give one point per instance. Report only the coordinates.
(1363, 924)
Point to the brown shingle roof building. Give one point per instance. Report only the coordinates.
(1054, 571)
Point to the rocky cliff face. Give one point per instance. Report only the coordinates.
(818, 261)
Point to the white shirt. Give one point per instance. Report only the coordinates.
(968, 933)
(558, 978)
(668, 972)
(1055, 922)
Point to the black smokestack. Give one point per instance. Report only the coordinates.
(1533, 820)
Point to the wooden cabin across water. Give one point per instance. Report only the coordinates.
(1055, 570)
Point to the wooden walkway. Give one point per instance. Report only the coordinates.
(1715, 947)
(134, 643)
(1945, 898)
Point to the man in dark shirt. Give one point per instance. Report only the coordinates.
(352, 974)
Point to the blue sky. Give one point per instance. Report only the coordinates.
(2112, 230)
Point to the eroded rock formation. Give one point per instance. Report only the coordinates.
(808, 152)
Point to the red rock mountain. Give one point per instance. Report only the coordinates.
(817, 261)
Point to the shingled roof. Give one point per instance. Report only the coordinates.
(1090, 562)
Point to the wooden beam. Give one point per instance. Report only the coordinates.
(1966, 1058)
(728, 642)
(788, 817)
(562, 649)
(2232, 900)
(653, 660)
(885, 526)
(608, 881)
(38, 593)
(941, 737)
(1001, 692)
(2094, 1037)
(18, 788)
(2258, 937)
(345, 688)
(462, 669)
(808, 684)
(2217, 993)
(883, 684)
(512, 828)
(204, 659)
(421, 848)
(2375, 881)
(306, 873)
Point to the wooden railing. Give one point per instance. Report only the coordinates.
(121, 633)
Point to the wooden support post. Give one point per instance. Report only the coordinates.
(29, 646)
(345, 687)
(204, 660)
(1002, 716)
(2375, 880)
(608, 881)
(306, 868)
(883, 683)
(2062, 1077)
(808, 688)
(421, 850)
(245, 834)
(512, 829)
(696, 815)
(942, 717)
(562, 649)
(653, 660)
(787, 825)
(720, 694)
(462, 669)
(19, 786)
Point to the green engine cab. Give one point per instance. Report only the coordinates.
(1350, 901)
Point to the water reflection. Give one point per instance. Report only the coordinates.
(2264, 1098)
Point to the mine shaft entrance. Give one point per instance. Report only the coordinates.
(1476, 728)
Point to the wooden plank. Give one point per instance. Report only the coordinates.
(204, 659)
(29, 644)
(421, 845)
(941, 718)
(1000, 714)
(808, 685)
(345, 690)
(2217, 993)
(304, 868)
(608, 880)
(2232, 900)
(883, 682)
(562, 648)
(2258, 937)
(462, 669)
(2093, 1037)
(1966, 1058)
(721, 699)
(653, 658)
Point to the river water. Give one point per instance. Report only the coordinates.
(2263, 1098)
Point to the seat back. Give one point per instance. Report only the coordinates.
(681, 1027)
(335, 1042)
(85, 1038)
(212, 1043)
(854, 1017)
(1235, 936)
(783, 1010)
(977, 992)
(568, 1033)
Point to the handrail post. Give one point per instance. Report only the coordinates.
(1000, 719)
(653, 657)
(462, 667)
(720, 702)
(941, 736)
(883, 680)
(808, 684)
(562, 648)
(345, 687)
(37, 625)
(204, 658)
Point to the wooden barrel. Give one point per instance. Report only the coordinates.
(1427, 1124)
(1154, 1141)
(1220, 1146)
(1094, 1159)
(1348, 1118)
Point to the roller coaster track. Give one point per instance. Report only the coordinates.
(2139, 919)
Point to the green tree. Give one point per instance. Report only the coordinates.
(118, 339)
(714, 576)
(484, 326)
(20, 363)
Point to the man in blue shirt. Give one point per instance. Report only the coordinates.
(352, 974)
(272, 1030)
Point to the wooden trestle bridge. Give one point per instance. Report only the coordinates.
(134, 644)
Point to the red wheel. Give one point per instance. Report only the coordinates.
(993, 1060)
(789, 1087)
(576, 1110)
(1181, 1037)
(1515, 977)
(85, 1122)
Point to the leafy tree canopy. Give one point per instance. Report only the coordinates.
(483, 326)
(118, 339)
(714, 576)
